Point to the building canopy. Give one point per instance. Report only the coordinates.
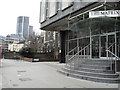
(95, 24)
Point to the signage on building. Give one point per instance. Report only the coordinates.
(108, 13)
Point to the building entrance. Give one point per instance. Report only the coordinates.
(108, 42)
(103, 46)
(94, 37)
(102, 43)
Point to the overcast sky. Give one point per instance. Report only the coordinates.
(11, 9)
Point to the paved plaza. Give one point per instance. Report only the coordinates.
(22, 74)
(0, 82)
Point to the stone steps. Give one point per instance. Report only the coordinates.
(93, 70)
(91, 78)
(95, 62)
(94, 74)
(92, 66)
(90, 70)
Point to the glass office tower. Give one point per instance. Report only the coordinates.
(23, 26)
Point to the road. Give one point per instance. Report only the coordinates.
(22, 74)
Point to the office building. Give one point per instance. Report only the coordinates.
(31, 32)
(90, 36)
(23, 27)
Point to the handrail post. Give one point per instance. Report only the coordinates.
(81, 52)
(111, 65)
(90, 43)
(115, 61)
(115, 66)
(84, 53)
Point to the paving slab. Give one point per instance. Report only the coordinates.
(0, 75)
(22, 74)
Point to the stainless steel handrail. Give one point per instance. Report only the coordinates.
(77, 53)
(113, 54)
(72, 50)
(110, 46)
(117, 58)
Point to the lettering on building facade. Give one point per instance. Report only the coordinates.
(108, 13)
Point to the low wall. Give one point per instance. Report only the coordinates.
(40, 55)
(48, 60)
(11, 55)
(43, 57)
(27, 59)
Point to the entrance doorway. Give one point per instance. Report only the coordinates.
(108, 42)
(102, 43)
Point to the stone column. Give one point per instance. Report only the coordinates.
(62, 38)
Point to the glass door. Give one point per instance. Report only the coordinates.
(103, 46)
(95, 47)
(108, 43)
(111, 44)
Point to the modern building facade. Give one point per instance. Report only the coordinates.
(89, 32)
(23, 27)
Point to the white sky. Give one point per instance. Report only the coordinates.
(11, 9)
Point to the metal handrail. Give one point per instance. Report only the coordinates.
(117, 58)
(72, 50)
(113, 54)
(110, 46)
(77, 53)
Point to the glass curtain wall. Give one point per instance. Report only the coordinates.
(101, 33)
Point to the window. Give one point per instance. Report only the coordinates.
(52, 8)
(42, 9)
(46, 14)
(66, 3)
(58, 2)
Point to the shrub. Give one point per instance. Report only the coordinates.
(27, 52)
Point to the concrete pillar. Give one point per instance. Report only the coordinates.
(62, 38)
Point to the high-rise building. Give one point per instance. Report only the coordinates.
(30, 31)
(23, 27)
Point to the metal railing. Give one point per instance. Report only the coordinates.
(110, 46)
(117, 58)
(83, 49)
(70, 58)
(113, 57)
(72, 50)
(82, 54)
(113, 61)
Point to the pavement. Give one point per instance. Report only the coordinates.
(22, 74)
(0, 75)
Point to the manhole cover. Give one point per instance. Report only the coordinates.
(25, 79)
